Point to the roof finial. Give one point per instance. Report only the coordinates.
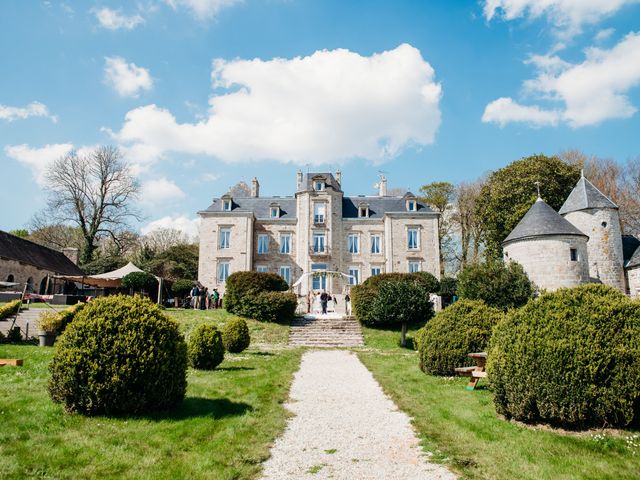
(582, 173)
(537, 184)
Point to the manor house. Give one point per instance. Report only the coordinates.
(318, 239)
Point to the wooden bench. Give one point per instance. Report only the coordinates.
(15, 362)
(475, 372)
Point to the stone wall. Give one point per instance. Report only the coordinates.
(602, 226)
(633, 279)
(547, 260)
(22, 272)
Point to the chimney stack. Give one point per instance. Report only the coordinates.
(255, 188)
(299, 180)
(72, 254)
(339, 177)
(382, 186)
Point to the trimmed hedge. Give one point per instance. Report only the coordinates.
(9, 309)
(235, 335)
(261, 296)
(205, 348)
(569, 358)
(181, 287)
(119, 355)
(138, 281)
(460, 329)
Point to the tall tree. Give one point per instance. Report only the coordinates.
(93, 191)
(467, 222)
(439, 195)
(510, 192)
(161, 239)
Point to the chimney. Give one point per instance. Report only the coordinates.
(299, 180)
(255, 188)
(72, 254)
(339, 177)
(382, 186)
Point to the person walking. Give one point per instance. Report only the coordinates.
(347, 304)
(194, 297)
(324, 300)
(335, 303)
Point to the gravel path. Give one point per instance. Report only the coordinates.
(345, 427)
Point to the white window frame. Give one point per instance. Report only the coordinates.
(416, 263)
(363, 211)
(224, 270)
(224, 238)
(378, 237)
(274, 212)
(226, 205)
(412, 205)
(262, 268)
(287, 244)
(320, 218)
(376, 271)
(353, 243)
(322, 235)
(354, 272)
(263, 241)
(319, 185)
(285, 273)
(410, 245)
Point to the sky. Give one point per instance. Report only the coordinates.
(200, 94)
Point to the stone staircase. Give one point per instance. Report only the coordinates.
(330, 330)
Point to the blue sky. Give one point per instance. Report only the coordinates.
(200, 94)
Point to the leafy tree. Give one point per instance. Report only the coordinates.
(498, 284)
(439, 195)
(103, 264)
(139, 281)
(20, 232)
(177, 261)
(510, 192)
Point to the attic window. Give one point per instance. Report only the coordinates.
(363, 211)
(226, 204)
(274, 212)
(318, 185)
(411, 205)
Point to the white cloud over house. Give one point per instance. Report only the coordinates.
(38, 160)
(581, 94)
(327, 107)
(160, 191)
(33, 109)
(115, 20)
(189, 226)
(126, 78)
(202, 9)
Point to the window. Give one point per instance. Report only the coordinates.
(263, 243)
(285, 273)
(275, 212)
(413, 239)
(10, 278)
(375, 271)
(363, 211)
(225, 238)
(411, 205)
(319, 280)
(375, 243)
(414, 266)
(353, 243)
(574, 254)
(226, 205)
(319, 210)
(223, 271)
(319, 242)
(354, 275)
(262, 269)
(285, 243)
(318, 185)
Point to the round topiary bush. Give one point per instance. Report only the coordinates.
(460, 329)
(140, 281)
(235, 335)
(569, 358)
(119, 355)
(205, 348)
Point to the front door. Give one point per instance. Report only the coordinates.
(318, 282)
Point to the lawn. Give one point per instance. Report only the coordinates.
(461, 428)
(223, 430)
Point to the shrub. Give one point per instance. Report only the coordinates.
(453, 333)
(430, 283)
(182, 287)
(235, 335)
(273, 306)
(260, 296)
(362, 297)
(139, 281)
(1, 337)
(10, 309)
(119, 355)
(498, 284)
(14, 335)
(49, 321)
(67, 316)
(205, 348)
(569, 358)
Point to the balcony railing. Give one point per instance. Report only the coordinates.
(317, 252)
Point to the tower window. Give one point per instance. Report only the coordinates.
(573, 252)
(604, 224)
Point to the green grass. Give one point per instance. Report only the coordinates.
(223, 430)
(461, 428)
(388, 338)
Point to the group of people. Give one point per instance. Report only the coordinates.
(319, 302)
(201, 299)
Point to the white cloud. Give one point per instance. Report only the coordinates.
(34, 109)
(604, 34)
(38, 160)
(160, 191)
(126, 78)
(203, 9)
(328, 107)
(568, 16)
(190, 226)
(210, 177)
(591, 92)
(115, 20)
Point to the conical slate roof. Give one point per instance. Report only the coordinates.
(585, 195)
(541, 220)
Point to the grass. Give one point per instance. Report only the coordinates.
(389, 338)
(223, 429)
(460, 427)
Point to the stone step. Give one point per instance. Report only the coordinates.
(331, 330)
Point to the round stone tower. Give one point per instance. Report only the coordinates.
(596, 215)
(551, 250)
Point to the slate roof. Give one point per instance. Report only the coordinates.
(259, 206)
(585, 195)
(542, 220)
(630, 246)
(378, 206)
(25, 251)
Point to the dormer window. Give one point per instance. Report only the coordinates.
(412, 205)
(363, 211)
(318, 185)
(226, 204)
(274, 211)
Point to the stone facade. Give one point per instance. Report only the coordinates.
(377, 228)
(633, 281)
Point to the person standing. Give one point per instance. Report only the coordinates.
(347, 304)
(324, 300)
(203, 298)
(194, 297)
(216, 298)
